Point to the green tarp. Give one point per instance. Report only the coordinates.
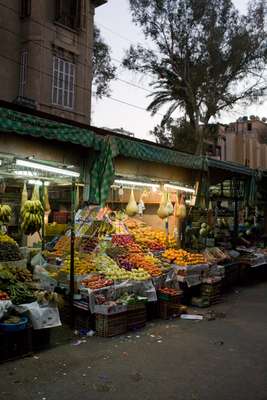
(108, 147)
(24, 124)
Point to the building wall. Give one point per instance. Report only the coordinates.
(244, 143)
(43, 38)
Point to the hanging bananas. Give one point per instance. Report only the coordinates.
(32, 217)
(5, 214)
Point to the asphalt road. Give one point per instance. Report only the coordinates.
(169, 360)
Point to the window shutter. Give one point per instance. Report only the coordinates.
(58, 9)
(25, 8)
(77, 13)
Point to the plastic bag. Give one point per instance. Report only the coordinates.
(42, 317)
(38, 259)
(5, 307)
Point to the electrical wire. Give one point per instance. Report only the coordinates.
(78, 86)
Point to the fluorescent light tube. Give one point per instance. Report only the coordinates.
(134, 183)
(37, 182)
(48, 168)
(0, 162)
(181, 188)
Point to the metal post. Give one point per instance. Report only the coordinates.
(72, 249)
(235, 213)
(43, 221)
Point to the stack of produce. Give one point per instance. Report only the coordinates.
(96, 282)
(146, 262)
(183, 258)
(9, 249)
(62, 246)
(153, 239)
(88, 244)
(82, 264)
(100, 229)
(19, 292)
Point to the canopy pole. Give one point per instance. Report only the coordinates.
(235, 213)
(43, 216)
(72, 249)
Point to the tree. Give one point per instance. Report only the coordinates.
(179, 134)
(206, 57)
(103, 69)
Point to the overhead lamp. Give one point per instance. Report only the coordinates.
(28, 174)
(153, 186)
(0, 163)
(37, 182)
(47, 168)
(181, 188)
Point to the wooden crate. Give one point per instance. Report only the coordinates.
(168, 310)
(14, 345)
(111, 325)
(136, 316)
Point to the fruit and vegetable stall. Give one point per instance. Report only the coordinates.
(152, 250)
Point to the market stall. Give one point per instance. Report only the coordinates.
(28, 298)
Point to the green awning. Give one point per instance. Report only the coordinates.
(232, 167)
(24, 124)
(150, 152)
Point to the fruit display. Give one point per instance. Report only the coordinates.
(88, 244)
(83, 264)
(3, 296)
(62, 246)
(153, 239)
(183, 258)
(100, 228)
(169, 291)
(9, 249)
(122, 240)
(145, 262)
(96, 282)
(18, 290)
(32, 217)
(5, 214)
(22, 274)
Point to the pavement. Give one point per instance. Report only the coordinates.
(220, 359)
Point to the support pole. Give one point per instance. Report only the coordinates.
(235, 213)
(72, 249)
(43, 219)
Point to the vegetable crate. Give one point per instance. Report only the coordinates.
(168, 309)
(176, 299)
(136, 316)
(152, 310)
(111, 325)
(211, 292)
(14, 345)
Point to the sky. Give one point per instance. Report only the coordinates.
(119, 32)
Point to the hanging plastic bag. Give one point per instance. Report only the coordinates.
(132, 207)
(163, 211)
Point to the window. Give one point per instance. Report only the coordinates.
(68, 13)
(25, 8)
(23, 72)
(63, 83)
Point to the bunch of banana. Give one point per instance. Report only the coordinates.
(5, 214)
(100, 228)
(32, 217)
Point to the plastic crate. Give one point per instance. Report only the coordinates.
(14, 345)
(173, 299)
(136, 316)
(111, 325)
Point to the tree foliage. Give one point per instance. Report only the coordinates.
(206, 56)
(103, 69)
